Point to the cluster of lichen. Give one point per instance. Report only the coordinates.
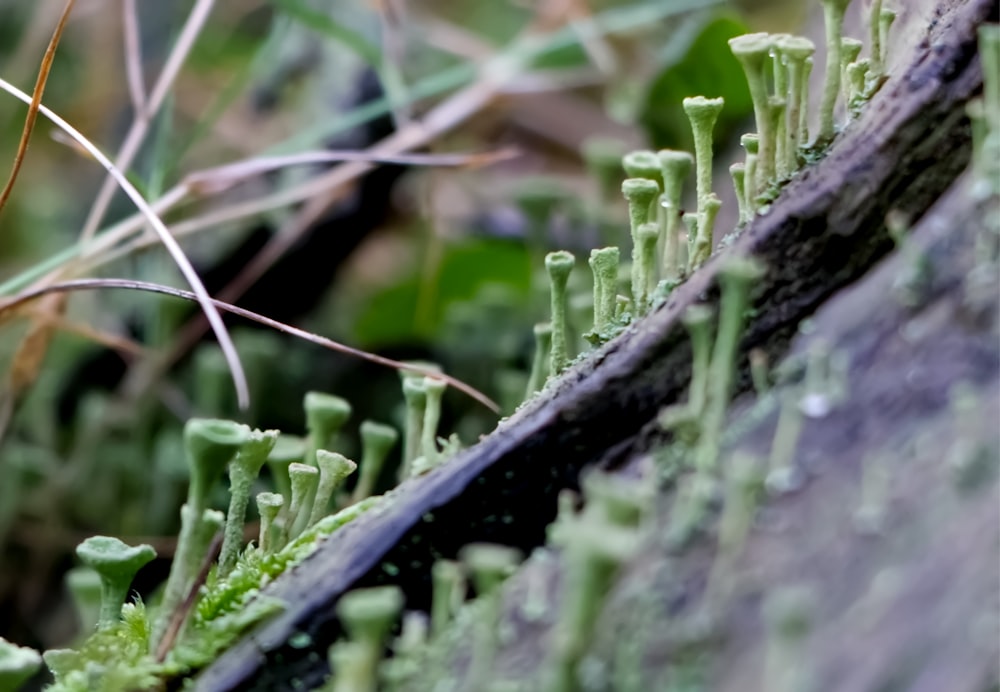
(205, 607)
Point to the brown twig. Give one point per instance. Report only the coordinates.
(180, 615)
(36, 101)
(89, 284)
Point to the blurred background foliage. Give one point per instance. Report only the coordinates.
(439, 264)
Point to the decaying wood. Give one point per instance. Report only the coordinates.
(824, 232)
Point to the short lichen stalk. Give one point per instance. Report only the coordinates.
(540, 360)
(645, 276)
(269, 506)
(367, 615)
(325, 416)
(704, 240)
(753, 51)
(415, 395)
(676, 167)
(430, 455)
(703, 113)
(604, 266)
(737, 277)
(210, 445)
(334, 468)
(489, 566)
(788, 615)
(448, 583)
(594, 547)
(783, 475)
(886, 18)
(377, 440)
(751, 143)
(875, 38)
(738, 172)
(559, 265)
(243, 470)
(17, 664)
(287, 449)
(850, 52)
(645, 164)
(833, 16)
(743, 483)
(116, 563)
(305, 480)
(797, 51)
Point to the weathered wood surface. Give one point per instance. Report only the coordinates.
(824, 232)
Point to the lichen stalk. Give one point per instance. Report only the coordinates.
(752, 51)
(333, 469)
(645, 276)
(559, 265)
(377, 440)
(833, 17)
(737, 277)
(875, 38)
(850, 51)
(676, 167)
(751, 143)
(432, 417)
(737, 172)
(797, 52)
(705, 241)
(540, 360)
(268, 507)
(703, 114)
(415, 396)
(886, 17)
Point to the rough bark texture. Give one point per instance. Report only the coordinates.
(824, 232)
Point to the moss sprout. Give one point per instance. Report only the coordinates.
(333, 469)
(377, 440)
(559, 266)
(17, 664)
(753, 51)
(243, 470)
(116, 563)
(268, 507)
(833, 16)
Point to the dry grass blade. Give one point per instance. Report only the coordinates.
(133, 55)
(221, 178)
(36, 101)
(140, 125)
(91, 284)
(180, 259)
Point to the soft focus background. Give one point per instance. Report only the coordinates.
(423, 262)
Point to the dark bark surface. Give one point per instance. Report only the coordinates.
(824, 233)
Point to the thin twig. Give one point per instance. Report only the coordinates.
(133, 56)
(90, 284)
(36, 102)
(176, 253)
(180, 615)
(143, 118)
